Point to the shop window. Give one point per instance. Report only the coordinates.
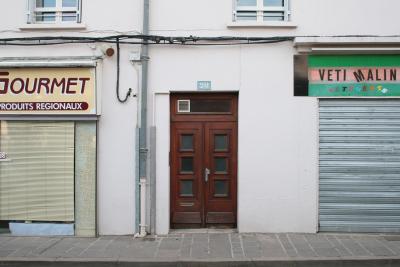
(54, 11)
(261, 10)
(37, 171)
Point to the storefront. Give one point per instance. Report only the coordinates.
(359, 134)
(48, 150)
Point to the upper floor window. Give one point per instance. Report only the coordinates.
(261, 10)
(54, 11)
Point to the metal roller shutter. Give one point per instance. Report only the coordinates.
(359, 165)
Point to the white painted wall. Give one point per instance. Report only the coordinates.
(327, 17)
(277, 146)
(116, 125)
(116, 152)
(161, 120)
(277, 171)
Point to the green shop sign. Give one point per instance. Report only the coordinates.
(354, 75)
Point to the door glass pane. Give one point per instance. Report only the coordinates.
(211, 106)
(221, 188)
(186, 188)
(220, 165)
(187, 142)
(187, 164)
(273, 2)
(246, 2)
(221, 142)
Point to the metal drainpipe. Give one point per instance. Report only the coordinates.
(141, 182)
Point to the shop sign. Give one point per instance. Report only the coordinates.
(354, 75)
(47, 91)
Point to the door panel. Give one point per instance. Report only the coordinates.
(220, 157)
(186, 172)
(198, 148)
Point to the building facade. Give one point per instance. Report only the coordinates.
(263, 115)
(105, 202)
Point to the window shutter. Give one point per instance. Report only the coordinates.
(37, 178)
(30, 11)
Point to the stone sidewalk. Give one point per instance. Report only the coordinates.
(213, 248)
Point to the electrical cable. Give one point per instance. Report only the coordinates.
(178, 41)
(118, 70)
(139, 39)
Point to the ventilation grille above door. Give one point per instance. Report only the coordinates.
(183, 106)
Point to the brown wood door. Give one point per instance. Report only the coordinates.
(203, 171)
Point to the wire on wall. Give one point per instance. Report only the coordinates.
(118, 71)
(164, 40)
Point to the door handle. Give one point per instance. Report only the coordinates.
(206, 173)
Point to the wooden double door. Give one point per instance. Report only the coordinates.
(204, 170)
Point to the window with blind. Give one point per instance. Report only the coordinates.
(54, 11)
(37, 175)
(261, 10)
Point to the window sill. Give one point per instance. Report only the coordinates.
(54, 26)
(266, 24)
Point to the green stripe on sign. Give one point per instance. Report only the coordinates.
(353, 61)
(354, 89)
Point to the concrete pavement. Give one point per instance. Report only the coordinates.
(211, 248)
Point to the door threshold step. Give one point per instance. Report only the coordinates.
(203, 231)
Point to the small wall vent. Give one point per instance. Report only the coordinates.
(183, 106)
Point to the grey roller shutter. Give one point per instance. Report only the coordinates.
(359, 165)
